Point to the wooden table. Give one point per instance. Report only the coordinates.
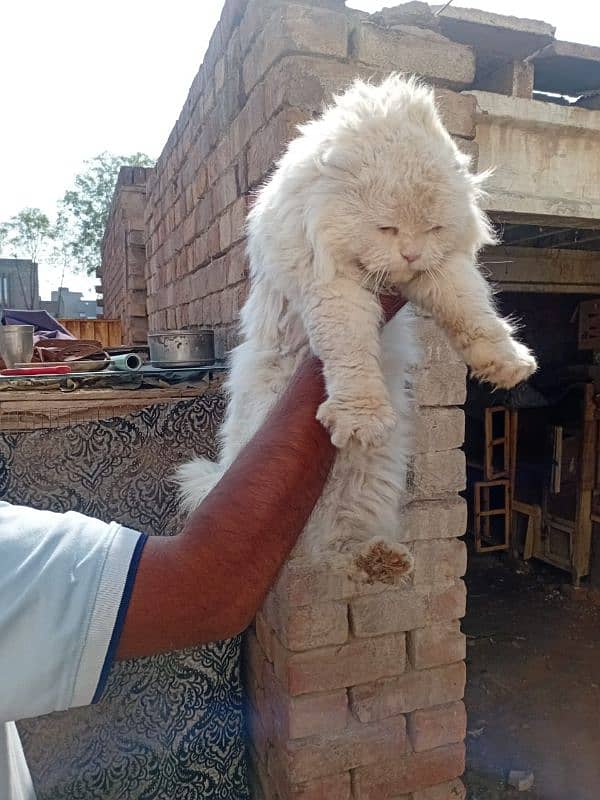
(35, 410)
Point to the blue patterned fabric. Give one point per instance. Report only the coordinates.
(170, 726)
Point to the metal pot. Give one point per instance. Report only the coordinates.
(16, 344)
(176, 349)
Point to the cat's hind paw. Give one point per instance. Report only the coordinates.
(382, 561)
(367, 420)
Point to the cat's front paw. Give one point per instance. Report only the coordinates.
(367, 420)
(503, 364)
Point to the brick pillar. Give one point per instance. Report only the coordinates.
(356, 692)
(122, 273)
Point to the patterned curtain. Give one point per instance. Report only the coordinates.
(169, 726)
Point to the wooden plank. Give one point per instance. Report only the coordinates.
(106, 331)
(491, 442)
(549, 288)
(534, 525)
(563, 270)
(54, 409)
(556, 475)
(84, 395)
(482, 515)
(589, 325)
(582, 544)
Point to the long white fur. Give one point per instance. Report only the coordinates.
(379, 157)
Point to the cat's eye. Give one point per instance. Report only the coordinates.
(435, 229)
(389, 229)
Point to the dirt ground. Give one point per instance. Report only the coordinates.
(533, 692)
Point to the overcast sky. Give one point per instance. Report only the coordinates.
(79, 77)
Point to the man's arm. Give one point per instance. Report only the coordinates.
(208, 582)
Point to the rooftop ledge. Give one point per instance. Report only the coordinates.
(515, 110)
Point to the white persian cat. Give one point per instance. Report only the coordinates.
(374, 195)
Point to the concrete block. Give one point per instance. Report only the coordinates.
(415, 50)
(514, 79)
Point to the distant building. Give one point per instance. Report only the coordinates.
(66, 304)
(19, 287)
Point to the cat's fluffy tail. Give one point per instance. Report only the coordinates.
(196, 479)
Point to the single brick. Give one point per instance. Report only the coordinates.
(433, 343)
(411, 773)
(434, 727)
(237, 264)
(433, 475)
(415, 50)
(436, 645)
(438, 429)
(327, 668)
(439, 562)
(358, 745)
(408, 692)
(433, 519)
(307, 627)
(320, 714)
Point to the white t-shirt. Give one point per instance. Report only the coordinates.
(65, 583)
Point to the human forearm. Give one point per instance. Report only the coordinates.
(208, 582)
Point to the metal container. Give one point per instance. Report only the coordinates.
(16, 344)
(177, 349)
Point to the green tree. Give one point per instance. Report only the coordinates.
(84, 208)
(27, 235)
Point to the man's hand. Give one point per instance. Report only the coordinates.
(208, 582)
(391, 304)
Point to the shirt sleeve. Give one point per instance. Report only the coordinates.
(65, 583)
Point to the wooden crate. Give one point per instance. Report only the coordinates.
(106, 331)
(589, 325)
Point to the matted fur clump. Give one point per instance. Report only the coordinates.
(374, 195)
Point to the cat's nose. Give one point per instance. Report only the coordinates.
(411, 256)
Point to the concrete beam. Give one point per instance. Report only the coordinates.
(531, 269)
(497, 39)
(545, 159)
(567, 68)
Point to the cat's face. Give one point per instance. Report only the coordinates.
(407, 209)
(411, 221)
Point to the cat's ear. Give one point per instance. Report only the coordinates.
(337, 163)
